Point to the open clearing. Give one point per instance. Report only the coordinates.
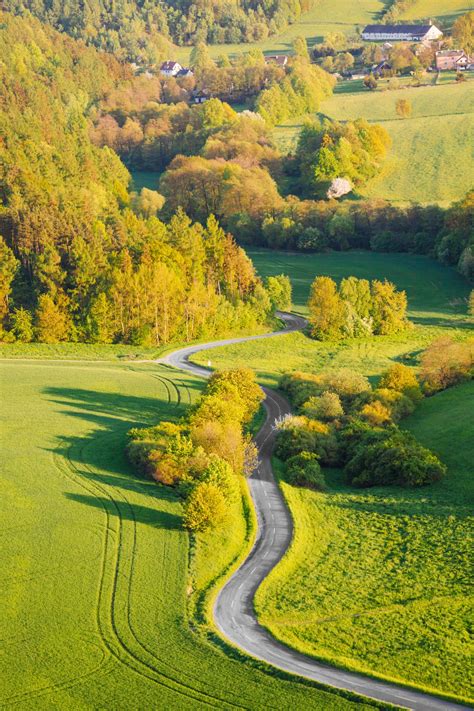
(437, 300)
(377, 580)
(430, 160)
(94, 560)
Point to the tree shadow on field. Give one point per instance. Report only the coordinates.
(96, 460)
(131, 512)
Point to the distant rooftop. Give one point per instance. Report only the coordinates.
(398, 29)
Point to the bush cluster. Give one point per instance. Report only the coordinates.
(344, 422)
(357, 308)
(203, 455)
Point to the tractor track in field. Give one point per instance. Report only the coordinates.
(234, 612)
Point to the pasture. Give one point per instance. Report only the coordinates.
(444, 11)
(425, 147)
(378, 580)
(437, 301)
(95, 582)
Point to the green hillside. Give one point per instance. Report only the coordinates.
(428, 161)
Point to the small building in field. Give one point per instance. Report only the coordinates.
(452, 59)
(170, 68)
(401, 33)
(281, 60)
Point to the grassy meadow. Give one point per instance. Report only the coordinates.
(437, 299)
(429, 161)
(95, 583)
(377, 580)
(445, 11)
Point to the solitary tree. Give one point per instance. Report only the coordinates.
(370, 82)
(403, 108)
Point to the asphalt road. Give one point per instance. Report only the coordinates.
(234, 611)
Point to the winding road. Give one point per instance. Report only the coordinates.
(234, 610)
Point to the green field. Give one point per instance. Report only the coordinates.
(425, 147)
(95, 582)
(379, 580)
(444, 10)
(437, 299)
(326, 16)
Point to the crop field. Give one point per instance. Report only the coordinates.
(378, 580)
(437, 304)
(95, 583)
(326, 16)
(425, 147)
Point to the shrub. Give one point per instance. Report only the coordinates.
(445, 363)
(396, 459)
(303, 470)
(359, 432)
(376, 413)
(399, 405)
(205, 507)
(402, 379)
(347, 383)
(243, 386)
(300, 434)
(326, 406)
(220, 474)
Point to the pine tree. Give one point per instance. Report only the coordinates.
(52, 320)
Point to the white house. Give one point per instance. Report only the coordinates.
(401, 33)
(170, 68)
(452, 59)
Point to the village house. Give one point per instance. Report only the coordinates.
(184, 72)
(280, 59)
(401, 33)
(170, 68)
(452, 59)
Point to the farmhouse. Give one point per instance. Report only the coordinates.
(452, 59)
(170, 68)
(407, 33)
(280, 59)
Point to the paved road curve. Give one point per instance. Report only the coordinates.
(234, 612)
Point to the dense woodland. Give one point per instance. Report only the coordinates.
(80, 261)
(142, 31)
(85, 259)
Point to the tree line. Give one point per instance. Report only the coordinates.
(143, 31)
(204, 455)
(356, 308)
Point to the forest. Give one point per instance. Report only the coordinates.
(80, 260)
(142, 31)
